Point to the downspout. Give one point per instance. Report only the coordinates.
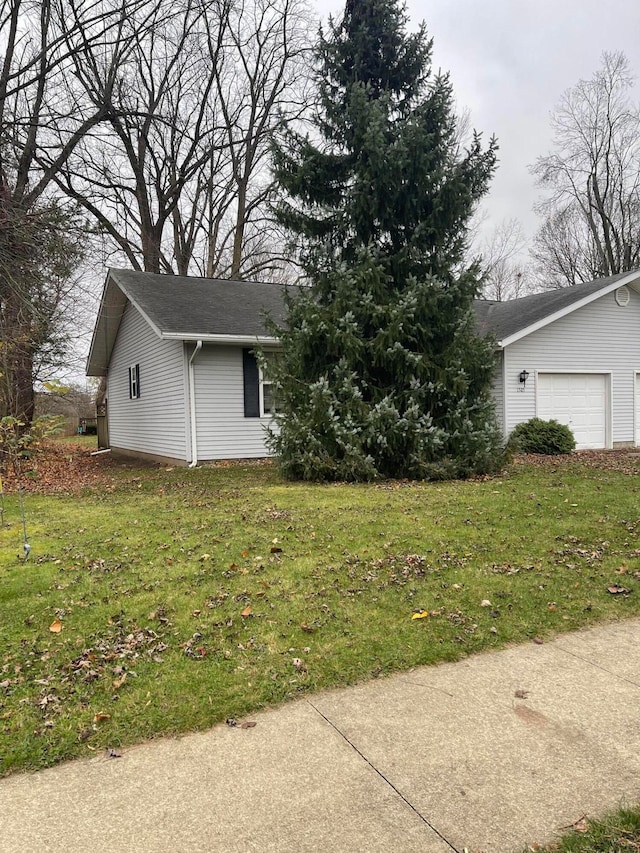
(192, 406)
(505, 405)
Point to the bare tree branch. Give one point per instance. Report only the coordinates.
(591, 225)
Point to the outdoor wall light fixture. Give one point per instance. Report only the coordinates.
(523, 376)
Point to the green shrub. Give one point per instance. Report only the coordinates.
(538, 436)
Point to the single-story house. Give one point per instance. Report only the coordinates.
(183, 385)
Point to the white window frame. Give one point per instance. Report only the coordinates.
(263, 380)
(134, 382)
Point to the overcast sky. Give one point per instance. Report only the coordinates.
(510, 61)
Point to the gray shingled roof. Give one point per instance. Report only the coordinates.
(505, 319)
(180, 305)
(183, 307)
(190, 308)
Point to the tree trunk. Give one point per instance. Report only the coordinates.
(151, 250)
(238, 235)
(23, 394)
(16, 368)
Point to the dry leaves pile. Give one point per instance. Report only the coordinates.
(60, 468)
(68, 468)
(625, 461)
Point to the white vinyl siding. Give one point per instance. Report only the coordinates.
(223, 432)
(600, 338)
(497, 391)
(155, 422)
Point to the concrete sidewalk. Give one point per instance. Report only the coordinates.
(489, 754)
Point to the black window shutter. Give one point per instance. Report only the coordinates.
(137, 369)
(251, 384)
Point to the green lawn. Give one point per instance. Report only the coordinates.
(168, 599)
(618, 832)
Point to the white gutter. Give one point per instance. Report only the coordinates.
(192, 406)
(240, 340)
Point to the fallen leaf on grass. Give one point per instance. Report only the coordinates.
(618, 590)
(247, 611)
(307, 628)
(56, 626)
(420, 614)
(485, 603)
(276, 550)
(101, 717)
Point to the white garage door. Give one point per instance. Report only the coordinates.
(578, 400)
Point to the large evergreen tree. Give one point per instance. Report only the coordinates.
(381, 372)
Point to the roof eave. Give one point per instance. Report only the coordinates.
(112, 306)
(238, 340)
(568, 309)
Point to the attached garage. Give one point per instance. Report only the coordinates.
(578, 400)
(572, 355)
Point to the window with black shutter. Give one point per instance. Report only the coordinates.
(251, 376)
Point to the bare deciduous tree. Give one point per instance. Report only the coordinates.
(177, 174)
(131, 173)
(260, 90)
(153, 117)
(592, 212)
(505, 275)
(39, 115)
